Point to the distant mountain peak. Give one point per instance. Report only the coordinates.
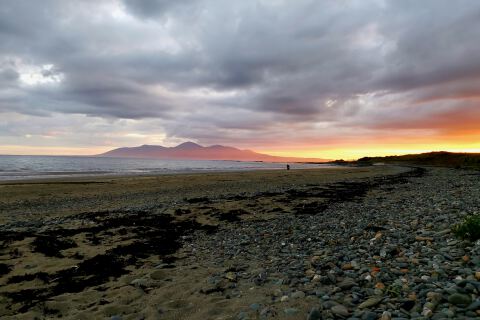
(188, 145)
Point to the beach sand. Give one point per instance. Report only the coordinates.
(160, 247)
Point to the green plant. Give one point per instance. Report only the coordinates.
(469, 228)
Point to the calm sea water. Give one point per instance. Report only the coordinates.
(32, 167)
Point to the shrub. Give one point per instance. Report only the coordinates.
(469, 228)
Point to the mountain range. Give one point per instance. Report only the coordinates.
(193, 151)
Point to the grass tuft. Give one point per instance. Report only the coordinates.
(469, 228)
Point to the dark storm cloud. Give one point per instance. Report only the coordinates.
(153, 8)
(279, 61)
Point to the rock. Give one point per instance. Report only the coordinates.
(116, 317)
(231, 276)
(310, 273)
(314, 314)
(347, 266)
(140, 283)
(340, 310)
(346, 284)
(475, 305)
(442, 233)
(298, 295)
(477, 275)
(291, 311)
(157, 275)
(459, 299)
(369, 316)
(370, 302)
(380, 285)
(419, 238)
(284, 299)
(435, 297)
(386, 316)
(427, 313)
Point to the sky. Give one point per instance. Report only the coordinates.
(329, 79)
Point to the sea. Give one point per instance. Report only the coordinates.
(41, 167)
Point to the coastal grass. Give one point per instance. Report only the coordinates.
(469, 228)
(439, 159)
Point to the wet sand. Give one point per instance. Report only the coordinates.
(97, 248)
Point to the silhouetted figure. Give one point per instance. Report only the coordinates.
(288, 167)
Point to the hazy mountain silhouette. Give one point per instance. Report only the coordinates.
(193, 151)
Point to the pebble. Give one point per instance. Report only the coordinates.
(370, 302)
(298, 295)
(386, 316)
(346, 284)
(140, 283)
(340, 311)
(291, 311)
(474, 305)
(158, 275)
(314, 314)
(459, 299)
(369, 316)
(231, 276)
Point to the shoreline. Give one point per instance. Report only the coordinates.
(42, 178)
(243, 245)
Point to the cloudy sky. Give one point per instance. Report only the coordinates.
(309, 78)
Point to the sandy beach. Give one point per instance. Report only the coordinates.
(330, 243)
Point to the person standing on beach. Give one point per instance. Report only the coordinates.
(288, 167)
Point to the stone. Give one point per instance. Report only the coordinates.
(419, 238)
(314, 314)
(427, 313)
(157, 275)
(346, 284)
(340, 310)
(369, 316)
(316, 278)
(475, 305)
(291, 311)
(386, 316)
(140, 283)
(298, 295)
(284, 299)
(347, 266)
(380, 285)
(370, 302)
(231, 276)
(459, 299)
(310, 273)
